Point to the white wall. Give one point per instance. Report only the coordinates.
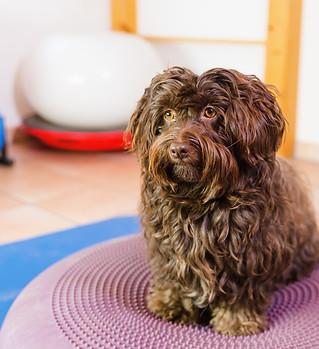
(308, 96)
(206, 19)
(201, 56)
(22, 23)
(230, 20)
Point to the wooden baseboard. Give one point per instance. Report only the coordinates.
(307, 152)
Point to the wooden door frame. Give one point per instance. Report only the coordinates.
(282, 61)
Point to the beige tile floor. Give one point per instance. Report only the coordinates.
(48, 190)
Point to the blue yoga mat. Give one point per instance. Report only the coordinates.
(22, 261)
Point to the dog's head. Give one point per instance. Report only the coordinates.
(205, 129)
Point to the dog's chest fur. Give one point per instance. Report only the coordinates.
(194, 246)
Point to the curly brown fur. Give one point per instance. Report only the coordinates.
(226, 222)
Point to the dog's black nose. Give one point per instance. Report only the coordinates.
(180, 150)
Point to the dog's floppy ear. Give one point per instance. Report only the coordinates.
(254, 122)
(136, 127)
(260, 122)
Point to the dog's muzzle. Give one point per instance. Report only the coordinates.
(184, 162)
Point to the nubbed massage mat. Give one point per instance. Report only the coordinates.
(96, 299)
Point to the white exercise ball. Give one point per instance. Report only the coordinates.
(88, 81)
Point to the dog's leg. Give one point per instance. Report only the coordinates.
(236, 320)
(166, 301)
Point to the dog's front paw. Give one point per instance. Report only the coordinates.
(167, 304)
(235, 321)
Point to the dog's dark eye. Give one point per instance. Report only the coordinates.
(169, 115)
(209, 112)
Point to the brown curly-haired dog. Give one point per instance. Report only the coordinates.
(225, 221)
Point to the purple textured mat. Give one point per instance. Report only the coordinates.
(96, 299)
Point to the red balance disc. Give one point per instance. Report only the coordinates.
(75, 139)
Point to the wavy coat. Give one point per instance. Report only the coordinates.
(226, 222)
